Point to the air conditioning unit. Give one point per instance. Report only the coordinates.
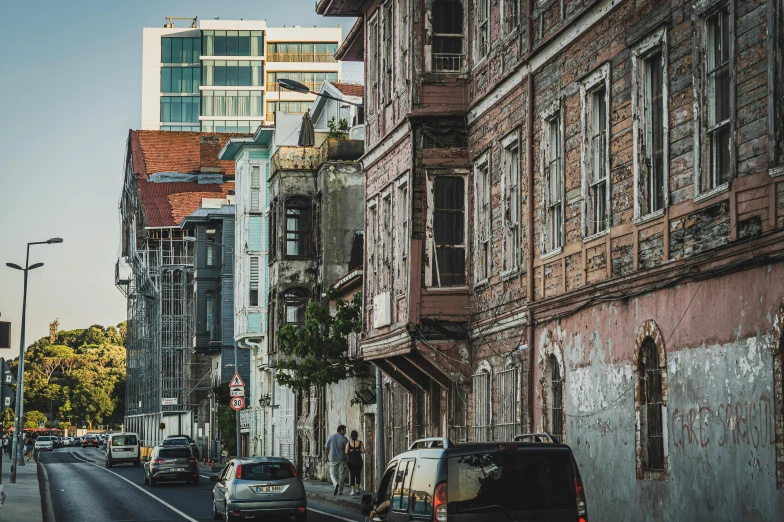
(382, 310)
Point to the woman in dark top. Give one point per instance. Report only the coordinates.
(354, 451)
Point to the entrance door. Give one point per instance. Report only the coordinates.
(284, 425)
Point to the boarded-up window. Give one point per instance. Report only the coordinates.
(651, 421)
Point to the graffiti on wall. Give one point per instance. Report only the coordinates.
(739, 423)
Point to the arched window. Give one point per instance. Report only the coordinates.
(651, 425)
(508, 424)
(555, 397)
(297, 227)
(483, 404)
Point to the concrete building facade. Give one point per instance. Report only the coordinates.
(592, 241)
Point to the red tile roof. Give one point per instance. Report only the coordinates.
(166, 203)
(351, 89)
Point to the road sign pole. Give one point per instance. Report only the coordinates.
(2, 414)
(237, 412)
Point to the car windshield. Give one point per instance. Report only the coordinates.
(175, 442)
(174, 453)
(266, 471)
(509, 482)
(124, 440)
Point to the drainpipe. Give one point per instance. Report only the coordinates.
(529, 145)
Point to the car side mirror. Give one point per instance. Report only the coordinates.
(214, 478)
(366, 504)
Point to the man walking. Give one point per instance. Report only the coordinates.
(336, 457)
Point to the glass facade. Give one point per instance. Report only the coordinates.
(301, 52)
(193, 128)
(312, 80)
(180, 79)
(180, 50)
(232, 43)
(229, 126)
(289, 107)
(179, 109)
(231, 103)
(232, 73)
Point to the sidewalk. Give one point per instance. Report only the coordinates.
(323, 492)
(22, 499)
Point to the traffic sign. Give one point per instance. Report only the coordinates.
(237, 403)
(236, 381)
(238, 392)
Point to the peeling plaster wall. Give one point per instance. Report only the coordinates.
(720, 428)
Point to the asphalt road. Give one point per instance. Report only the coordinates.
(82, 489)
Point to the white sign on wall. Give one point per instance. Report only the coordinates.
(168, 401)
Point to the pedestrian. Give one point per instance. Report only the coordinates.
(354, 451)
(336, 457)
(29, 447)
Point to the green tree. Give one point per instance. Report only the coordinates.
(317, 353)
(33, 418)
(226, 418)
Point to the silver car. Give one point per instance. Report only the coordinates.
(258, 487)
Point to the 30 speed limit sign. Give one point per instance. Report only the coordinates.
(238, 403)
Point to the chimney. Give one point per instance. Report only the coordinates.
(209, 147)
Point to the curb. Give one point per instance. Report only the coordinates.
(332, 500)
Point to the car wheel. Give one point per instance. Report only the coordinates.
(227, 516)
(215, 514)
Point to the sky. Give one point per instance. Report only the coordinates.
(71, 89)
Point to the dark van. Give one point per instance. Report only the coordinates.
(532, 478)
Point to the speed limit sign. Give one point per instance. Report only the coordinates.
(238, 403)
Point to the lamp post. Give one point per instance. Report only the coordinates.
(18, 422)
(191, 239)
(291, 85)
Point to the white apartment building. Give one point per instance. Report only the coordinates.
(221, 75)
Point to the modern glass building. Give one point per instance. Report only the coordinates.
(222, 75)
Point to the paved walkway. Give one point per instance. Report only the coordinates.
(22, 499)
(323, 492)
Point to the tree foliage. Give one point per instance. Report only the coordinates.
(79, 379)
(317, 354)
(226, 418)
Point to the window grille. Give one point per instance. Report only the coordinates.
(420, 414)
(482, 428)
(447, 42)
(508, 424)
(651, 422)
(457, 413)
(556, 398)
(397, 415)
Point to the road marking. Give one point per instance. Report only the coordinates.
(331, 515)
(186, 517)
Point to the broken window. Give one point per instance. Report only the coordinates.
(511, 209)
(651, 421)
(296, 302)
(482, 34)
(483, 405)
(508, 424)
(717, 98)
(402, 220)
(297, 227)
(458, 406)
(447, 41)
(554, 176)
(253, 298)
(510, 13)
(448, 246)
(483, 221)
(255, 188)
(554, 397)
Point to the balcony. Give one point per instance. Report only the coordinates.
(309, 158)
(301, 57)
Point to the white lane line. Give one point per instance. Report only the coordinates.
(331, 515)
(186, 517)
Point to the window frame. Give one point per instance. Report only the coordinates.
(431, 247)
(254, 280)
(642, 52)
(295, 297)
(305, 205)
(403, 233)
(511, 224)
(705, 182)
(371, 227)
(509, 383)
(403, 14)
(387, 240)
(210, 316)
(510, 22)
(430, 66)
(553, 234)
(212, 250)
(387, 53)
(481, 30)
(373, 66)
(484, 372)
(555, 411)
(483, 220)
(590, 88)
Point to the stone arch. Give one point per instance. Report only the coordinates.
(650, 335)
(552, 350)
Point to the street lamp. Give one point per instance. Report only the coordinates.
(291, 85)
(18, 423)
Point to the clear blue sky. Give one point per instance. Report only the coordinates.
(71, 84)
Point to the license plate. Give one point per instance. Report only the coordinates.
(268, 489)
(176, 469)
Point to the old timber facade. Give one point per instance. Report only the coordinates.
(574, 217)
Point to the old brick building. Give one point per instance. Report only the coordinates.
(574, 215)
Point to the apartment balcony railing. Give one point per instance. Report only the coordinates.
(296, 158)
(446, 62)
(300, 57)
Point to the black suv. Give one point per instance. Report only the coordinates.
(532, 478)
(174, 440)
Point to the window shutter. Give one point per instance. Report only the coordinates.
(254, 188)
(254, 273)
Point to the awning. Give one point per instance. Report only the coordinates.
(413, 367)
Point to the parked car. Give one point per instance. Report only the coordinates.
(77, 441)
(177, 442)
(122, 447)
(45, 442)
(90, 440)
(175, 463)
(530, 478)
(258, 487)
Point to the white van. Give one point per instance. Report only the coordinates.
(122, 447)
